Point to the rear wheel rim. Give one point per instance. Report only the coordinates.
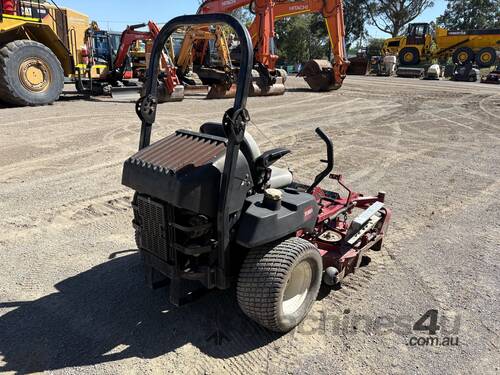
(297, 287)
(463, 56)
(408, 57)
(485, 58)
(35, 75)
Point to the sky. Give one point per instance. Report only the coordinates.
(117, 14)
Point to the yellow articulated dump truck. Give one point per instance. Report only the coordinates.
(41, 45)
(420, 45)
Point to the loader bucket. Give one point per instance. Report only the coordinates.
(319, 75)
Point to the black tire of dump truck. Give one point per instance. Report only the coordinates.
(463, 55)
(278, 283)
(486, 57)
(30, 74)
(409, 56)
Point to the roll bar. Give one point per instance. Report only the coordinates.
(146, 105)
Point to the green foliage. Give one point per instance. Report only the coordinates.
(297, 41)
(471, 14)
(391, 16)
(374, 47)
(355, 16)
(305, 37)
(243, 15)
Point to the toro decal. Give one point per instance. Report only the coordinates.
(228, 3)
(308, 213)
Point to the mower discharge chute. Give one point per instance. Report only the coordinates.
(212, 209)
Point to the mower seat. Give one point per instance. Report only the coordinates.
(280, 177)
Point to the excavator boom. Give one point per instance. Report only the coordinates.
(267, 80)
(222, 6)
(320, 75)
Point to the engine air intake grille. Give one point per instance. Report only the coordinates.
(155, 233)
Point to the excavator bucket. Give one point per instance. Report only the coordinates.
(261, 87)
(358, 66)
(319, 75)
(221, 91)
(258, 87)
(196, 90)
(177, 95)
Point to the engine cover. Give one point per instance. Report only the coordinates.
(185, 170)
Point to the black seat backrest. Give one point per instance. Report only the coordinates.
(248, 147)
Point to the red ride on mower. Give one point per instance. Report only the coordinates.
(210, 208)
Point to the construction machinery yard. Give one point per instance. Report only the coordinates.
(72, 298)
(343, 224)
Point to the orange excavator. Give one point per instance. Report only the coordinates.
(104, 50)
(266, 78)
(321, 75)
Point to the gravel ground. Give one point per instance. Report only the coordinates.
(72, 297)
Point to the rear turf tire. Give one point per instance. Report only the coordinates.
(279, 283)
(30, 74)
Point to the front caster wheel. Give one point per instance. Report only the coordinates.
(279, 283)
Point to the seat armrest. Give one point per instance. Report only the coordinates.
(270, 157)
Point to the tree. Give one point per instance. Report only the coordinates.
(305, 37)
(471, 14)
(374, 47)
(294, 38)
(390, 16)
(243, 15)
(355, 15)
